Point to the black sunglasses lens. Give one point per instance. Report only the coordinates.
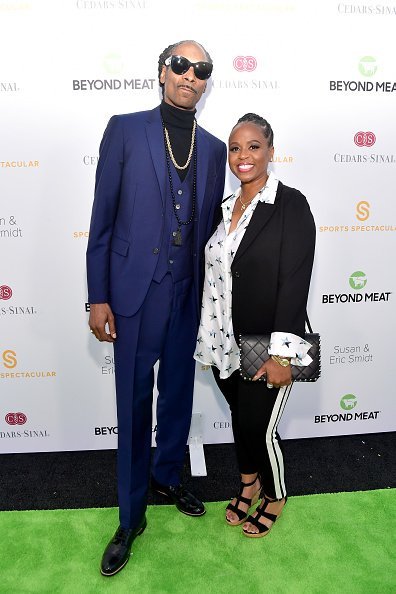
(180, 65)
(203, 70)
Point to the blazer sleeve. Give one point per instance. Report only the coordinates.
(104, 211)
(295, 268)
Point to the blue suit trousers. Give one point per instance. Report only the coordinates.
(164, 329)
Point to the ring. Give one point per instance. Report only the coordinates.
(270, 385)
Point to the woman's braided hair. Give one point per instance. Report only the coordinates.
(259, 121)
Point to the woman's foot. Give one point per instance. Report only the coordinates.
(237, 510)
(261, 521)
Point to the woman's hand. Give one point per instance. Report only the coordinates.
(277, 375)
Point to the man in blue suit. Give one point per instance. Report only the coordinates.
(159, 181)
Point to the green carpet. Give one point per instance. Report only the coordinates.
(335, 543)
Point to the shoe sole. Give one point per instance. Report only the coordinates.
(114, 572)
(142, 529)
(256, 535)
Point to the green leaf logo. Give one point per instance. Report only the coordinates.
(348, 402)
(357, 280)
(368, 66)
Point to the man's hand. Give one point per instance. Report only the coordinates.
(277, 376)
(101, 315)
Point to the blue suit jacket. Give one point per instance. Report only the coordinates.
(128, 211)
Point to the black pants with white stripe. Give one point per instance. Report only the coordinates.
(255, 412)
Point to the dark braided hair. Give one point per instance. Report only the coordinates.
(259, 121)
(168, 51)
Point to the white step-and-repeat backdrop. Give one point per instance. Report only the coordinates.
(323, 74)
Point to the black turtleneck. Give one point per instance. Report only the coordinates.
(179, 123)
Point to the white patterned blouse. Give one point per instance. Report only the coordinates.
(216, 344)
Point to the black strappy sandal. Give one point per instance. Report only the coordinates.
(242, 516)
(263, 530)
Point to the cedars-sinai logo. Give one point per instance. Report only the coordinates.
(368, 66)
(348, 402)
(15, 418)
(364, 138)
(5, 292)
(357, 280)
(245, 63)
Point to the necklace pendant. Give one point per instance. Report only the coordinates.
(243, 206)
(177, 238)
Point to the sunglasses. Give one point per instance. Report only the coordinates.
(180, 65)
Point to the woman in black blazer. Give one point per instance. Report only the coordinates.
(258, 267)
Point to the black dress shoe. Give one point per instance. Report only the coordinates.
(185, 501)
(117, 552)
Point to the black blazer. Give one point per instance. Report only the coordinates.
(272, 267)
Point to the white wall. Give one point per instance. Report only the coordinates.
(49, 138)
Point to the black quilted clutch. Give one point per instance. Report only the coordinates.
(254, 352)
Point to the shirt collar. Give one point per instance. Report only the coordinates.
(266, 194)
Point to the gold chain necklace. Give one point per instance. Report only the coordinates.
(168, 144)
(244, 204)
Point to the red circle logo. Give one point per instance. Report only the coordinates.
(16, 418)
(5, 292)
(364, 138)
(245, 63)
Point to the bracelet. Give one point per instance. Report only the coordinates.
(281, 360)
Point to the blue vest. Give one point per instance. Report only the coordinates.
(177, 259)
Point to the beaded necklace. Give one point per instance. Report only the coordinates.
(177, 240)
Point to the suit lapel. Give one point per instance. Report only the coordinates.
(202, 167)
(262, 214)
(154, 133)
